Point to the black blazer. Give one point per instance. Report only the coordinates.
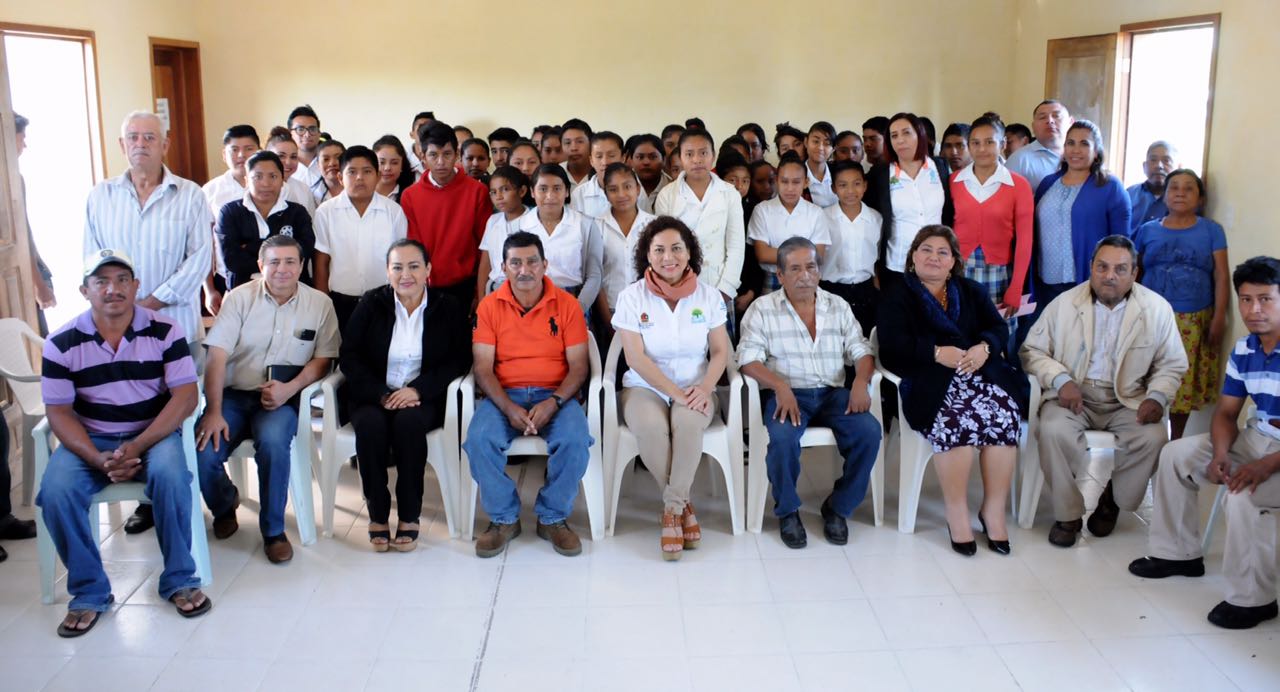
(878, 198)
(907, 339)
(446, 347)
(239, 242)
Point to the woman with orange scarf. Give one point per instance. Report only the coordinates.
(672, 328)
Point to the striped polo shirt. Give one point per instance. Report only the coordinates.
(1252, 373)
(116, 391)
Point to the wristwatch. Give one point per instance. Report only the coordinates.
(558, 400)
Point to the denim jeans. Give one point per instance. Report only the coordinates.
(66, 491)
(568, 440)
(272, 433)
(857, 438)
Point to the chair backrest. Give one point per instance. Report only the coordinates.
(14, 361)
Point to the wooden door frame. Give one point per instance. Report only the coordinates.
(194, 106)
(98, 142)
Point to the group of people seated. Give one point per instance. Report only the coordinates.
(417, 280)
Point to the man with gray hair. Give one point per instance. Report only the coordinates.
(164, 224)
(1108, 356)
(797, 343)
(1147, 197)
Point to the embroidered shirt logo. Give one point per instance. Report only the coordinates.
(697, 316)
(287, 230)
(555, 328)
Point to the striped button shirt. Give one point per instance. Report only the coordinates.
(169, 239)
(774, 334)
(116, 391)
(1252, 372)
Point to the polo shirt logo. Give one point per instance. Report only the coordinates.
(287, 230)
(697, 316)
(555, 328)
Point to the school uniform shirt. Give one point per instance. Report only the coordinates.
(357, 245)
(618, 269)
(296, 191)
(221, 190)
(648, 200)
(716, 220)
(675, 340)
(496, 230)
(589, 199)
(851, 258)
(241, 230)
(574, 183)
(820, 190)
(573, 256)
(416, 164)
(310, 173)
(773, 224)
(916, 203)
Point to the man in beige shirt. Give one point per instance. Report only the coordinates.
(1108, 356)
(273, 337)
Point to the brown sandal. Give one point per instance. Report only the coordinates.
(672, 546)
(692, 532)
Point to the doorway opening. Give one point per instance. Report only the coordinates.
(179, 101)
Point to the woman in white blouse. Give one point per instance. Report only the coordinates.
(402, 346)
(672, 328)
(573, 252)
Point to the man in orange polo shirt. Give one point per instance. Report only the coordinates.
(530, 351)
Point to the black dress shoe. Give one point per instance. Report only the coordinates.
(967, 548)
(834, 527)
(141, 520)
(1103, 520)
(1001, 547)
(1064, 533)
(792, 530)
(1159, 568)
(15, 529)
(1234, 617)
(4, 555)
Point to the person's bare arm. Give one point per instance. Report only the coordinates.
(1223, 430)
(321, 263)
(66, 426)
(483, 356)
(765, 254)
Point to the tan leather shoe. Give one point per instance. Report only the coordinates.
(227, 524)
(562, 538)
(278, 549)
(494, 540)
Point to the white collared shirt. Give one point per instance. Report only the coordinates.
(496, 230)
(773, 224)
(984, 191)
(221, 190)
(691, 214)
(820, 190)
(357, 245)
(675, 340)
(564, 245)
(589, 199)
(852, 256)
(619, 252)
(916, 203)
(280, 205)
(296, 191)
(573, 184)
(1106, 336)
(416, 164)
(404, 355)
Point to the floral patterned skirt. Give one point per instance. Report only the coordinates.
(1200, 384)
(975, 413)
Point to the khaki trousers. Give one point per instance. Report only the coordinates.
(1062, 445)
(1249, 560)
(670, 441)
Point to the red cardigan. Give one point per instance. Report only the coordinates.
(1003, 227)
(449, 221)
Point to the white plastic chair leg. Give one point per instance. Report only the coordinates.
(915, 457)
(28, 461)
(1218, 501)
(304, 505)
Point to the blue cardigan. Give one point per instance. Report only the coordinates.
(1097, 213)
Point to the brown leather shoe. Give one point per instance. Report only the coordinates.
(494, 540)
(1064, 533)
(227, 524)
(562, 538)
(277, 549)
(1103, 520)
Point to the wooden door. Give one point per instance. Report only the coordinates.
(1082, 73)
(17, 290)
(175, 86)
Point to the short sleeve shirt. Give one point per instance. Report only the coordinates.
(772, 224)
(1178, 263)
(564, 245)
(917, 202)
(1253, 373)
(851, 258)
(357, 244)
(530, 345)
(675, 340)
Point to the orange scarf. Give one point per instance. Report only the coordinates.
(673, 292)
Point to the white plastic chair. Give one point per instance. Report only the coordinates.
(337, 444)
(592, 481)
(41, 441)
(24, 382)
(722, 440)
(303, 457)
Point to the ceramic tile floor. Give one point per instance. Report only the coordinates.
(742, 613)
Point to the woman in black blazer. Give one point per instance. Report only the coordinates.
(239, 233)
(402, 346)
(942, 335)
(919, 183)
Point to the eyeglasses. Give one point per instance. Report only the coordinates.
(309, 129)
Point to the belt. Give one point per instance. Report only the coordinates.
(1100, 384)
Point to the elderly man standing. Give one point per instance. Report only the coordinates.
(163, 222)
(1108, 356)
(797, 342)
(1147, 197)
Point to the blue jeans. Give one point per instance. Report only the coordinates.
(568, 440)
(857, 437)
(272, 433)
(66, 491)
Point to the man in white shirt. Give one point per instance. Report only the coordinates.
(1108, 356)
(798, 342)
(1040, 159)
(304, 125)
(238, 144)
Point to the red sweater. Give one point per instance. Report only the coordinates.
(1003, 226)
(449, 221)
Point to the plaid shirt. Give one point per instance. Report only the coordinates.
(774, 334)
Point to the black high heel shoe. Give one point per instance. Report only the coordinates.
(967, 549)
(1001, 547)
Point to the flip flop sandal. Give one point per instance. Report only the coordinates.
(186, 595)
(71, 633)
(410, 545)
(384, 534)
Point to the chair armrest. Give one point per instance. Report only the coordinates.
(6, 374)
(755, 415)
(886, 375)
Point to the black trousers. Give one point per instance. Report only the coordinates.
(464, 292)
(394, 438)
(343, 306)
(6, 482)
(861, 297)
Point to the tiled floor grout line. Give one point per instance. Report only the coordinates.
(493, 606)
